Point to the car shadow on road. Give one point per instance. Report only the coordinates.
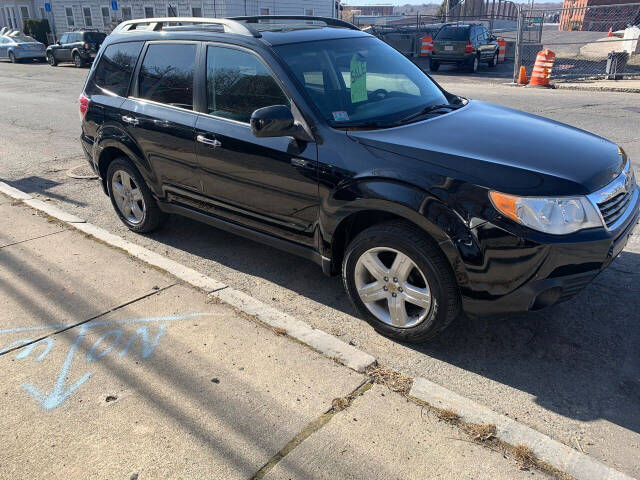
(41, 185)
(579, 359)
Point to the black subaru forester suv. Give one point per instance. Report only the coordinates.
(320, 139)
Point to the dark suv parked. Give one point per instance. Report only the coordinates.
(77, 47)
(464, 45)
(312, 136)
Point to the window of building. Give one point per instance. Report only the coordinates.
(238, 83)
(86, 12)
(126, 13)
(265, 11)
(172, 11)
(106, 16)
(148, 12)
(70, 21)
(116, 66)
(166, 75)
(24, 11)
(196, 11)
(308, 12)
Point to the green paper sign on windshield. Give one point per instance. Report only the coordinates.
(358, 79)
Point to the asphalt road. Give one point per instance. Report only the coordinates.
(572, 372)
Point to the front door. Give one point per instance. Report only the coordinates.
(160, 117)
(62, 52)
(265, 183)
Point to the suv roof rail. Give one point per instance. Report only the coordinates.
(157, 24)
(329, 22)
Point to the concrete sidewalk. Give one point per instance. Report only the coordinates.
(112, 369)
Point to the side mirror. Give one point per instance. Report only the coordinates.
(58, 42)
(273, 121)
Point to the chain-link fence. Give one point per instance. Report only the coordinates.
(404, 33)
(589, 42)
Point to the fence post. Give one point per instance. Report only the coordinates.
(518, 59)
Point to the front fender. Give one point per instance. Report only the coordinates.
(113, 136)
(398, 199)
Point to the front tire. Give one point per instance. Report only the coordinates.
(434, 65)
(400, 282)
(12, 57)
(51, 59)
(132, 199)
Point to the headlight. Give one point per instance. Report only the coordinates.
(557, 216)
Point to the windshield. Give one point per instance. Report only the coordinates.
(94, 37)
(22, 39)
(360, 81)
(453, 33)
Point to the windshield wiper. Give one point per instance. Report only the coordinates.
(365, 124)
(429, 109)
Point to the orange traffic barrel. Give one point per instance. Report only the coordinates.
(542, 69)
(502, 49)
(427, 46)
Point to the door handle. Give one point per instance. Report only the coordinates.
(130, 120)
(212, 142)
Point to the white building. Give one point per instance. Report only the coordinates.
(66, 15)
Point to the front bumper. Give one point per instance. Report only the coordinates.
(510, 272)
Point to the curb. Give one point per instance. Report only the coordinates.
(556, 454)
(564, 458)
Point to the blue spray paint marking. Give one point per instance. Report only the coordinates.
(109, 341)
(59, 393)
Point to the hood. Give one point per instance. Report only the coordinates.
(504, 149)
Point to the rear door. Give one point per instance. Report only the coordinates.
(3, 47)
(266, 183)
(160, 116)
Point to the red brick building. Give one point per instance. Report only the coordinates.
(575, 17)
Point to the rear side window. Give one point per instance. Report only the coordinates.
(166, 75)
(238, 83)
(116, 66)
(455, 34)
(94, 37)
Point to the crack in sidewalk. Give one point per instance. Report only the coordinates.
(337, 405)
(69, 327)
(34, 238)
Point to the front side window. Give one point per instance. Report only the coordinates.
(238, 83)
(166, 75)
(114, 71)
(360, 81)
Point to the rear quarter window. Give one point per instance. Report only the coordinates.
(116, 65)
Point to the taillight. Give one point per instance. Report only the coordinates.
(83, 101)
(86, 46)
(469, 47)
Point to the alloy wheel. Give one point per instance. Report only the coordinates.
(128, 197)
(392, 287)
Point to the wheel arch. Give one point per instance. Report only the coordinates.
(407, 203)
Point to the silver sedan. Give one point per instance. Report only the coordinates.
(21, 47)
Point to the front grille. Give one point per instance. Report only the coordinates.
(614, 201)
(615, 207)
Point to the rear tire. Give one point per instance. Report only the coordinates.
(434, 65)
(132, 199)
(52, 60)
(420, 301)
(494, 61)
(78, 62)
(472, 66)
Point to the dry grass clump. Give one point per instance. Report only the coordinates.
(395, 381)
(482, 432)
(339, 404)
(449, 415)
(524, 455)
